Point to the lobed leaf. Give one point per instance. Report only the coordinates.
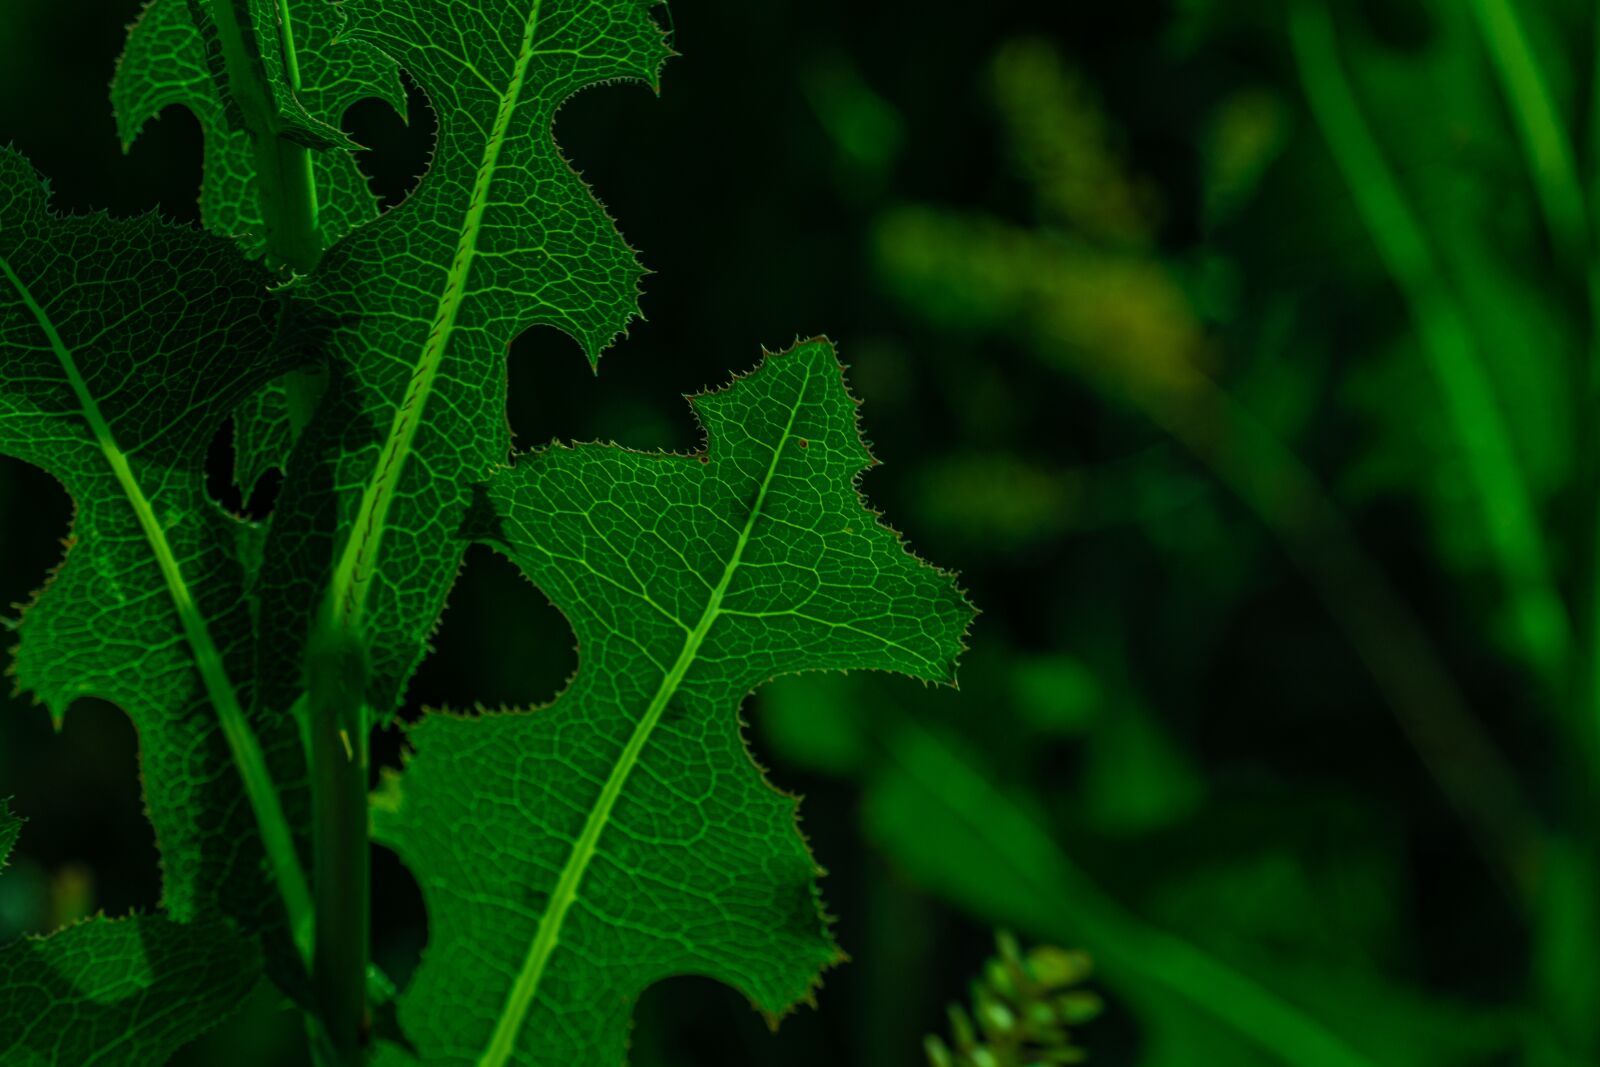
(123, 346)
(572, 855)
(415, 312)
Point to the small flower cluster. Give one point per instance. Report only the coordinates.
(1022, 1011)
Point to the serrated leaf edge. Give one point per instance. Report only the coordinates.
(390, 794)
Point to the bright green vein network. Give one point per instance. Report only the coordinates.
(572, 855)
(416, 310)
(123, 346)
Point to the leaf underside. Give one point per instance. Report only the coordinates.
(572, 855)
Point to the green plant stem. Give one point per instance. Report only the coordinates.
(286, 184)
(1512, 529)
(1567, 912)
(1553, 168)
(290, 214)
(341, 873)
(1564, 911)
(1586, 392)
(284, 179)
(336, 717)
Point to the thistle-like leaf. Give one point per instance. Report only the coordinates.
(117, 993)
(415, 312)
(123, 345)
(120, 992)
(572, 855)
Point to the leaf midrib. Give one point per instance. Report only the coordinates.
(502, 1043)
(277, 839)
(354, 572)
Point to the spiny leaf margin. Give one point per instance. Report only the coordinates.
(641, 840)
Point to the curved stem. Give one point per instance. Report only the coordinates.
(1551, 159)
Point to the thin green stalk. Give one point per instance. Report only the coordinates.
(1551, 159)
(1507, 506)
(1552, 165)
(290, 215)
(1564, 978)
(1587, 661)
(284, 178)
(1568, 977)
(337, 725)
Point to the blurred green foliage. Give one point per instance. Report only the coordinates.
(1240, 355)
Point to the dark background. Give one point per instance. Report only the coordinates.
(1135, 366)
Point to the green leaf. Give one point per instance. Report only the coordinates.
(119, 993)
(165, 64)
(416, 311)
(572, 855)
(10, 827)
(123, 345)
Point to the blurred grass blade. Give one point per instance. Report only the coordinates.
(1510, 524)
(1545, 140)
